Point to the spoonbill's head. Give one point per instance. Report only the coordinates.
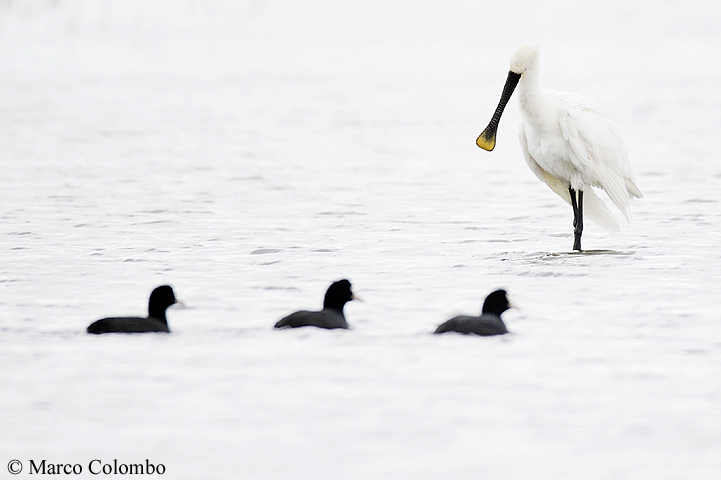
(524, 58)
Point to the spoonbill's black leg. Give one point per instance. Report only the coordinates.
(577, 217)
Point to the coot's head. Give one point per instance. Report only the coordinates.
(338, 294)
(161, 298)
(497, 303)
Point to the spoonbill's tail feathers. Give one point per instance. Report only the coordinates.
(619, 189)
(632, 188)
(596, 210)
(615, 187)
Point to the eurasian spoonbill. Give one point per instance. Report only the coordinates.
(338, 294)
(489, 323)
(569, 142)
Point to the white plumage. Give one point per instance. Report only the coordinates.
(569, 142)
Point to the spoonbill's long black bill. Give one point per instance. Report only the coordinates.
(487, 139)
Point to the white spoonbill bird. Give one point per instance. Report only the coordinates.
(569, 142)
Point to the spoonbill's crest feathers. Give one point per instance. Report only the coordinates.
(525, 56)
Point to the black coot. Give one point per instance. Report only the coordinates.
(338, 294)
(161, 298)
(489, 323)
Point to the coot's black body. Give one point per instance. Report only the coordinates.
(488, 323)
(161, 298)
(338, 294)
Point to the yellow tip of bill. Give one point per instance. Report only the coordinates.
(486, 140)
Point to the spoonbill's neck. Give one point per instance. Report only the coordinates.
(531, 97)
